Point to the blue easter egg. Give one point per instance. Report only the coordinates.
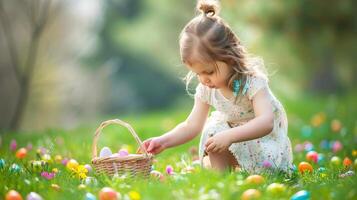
(15, 168)
(309, 147)
(90, 196)
(320, 158)
(321, 169)
(294, 168)
(306, 131)
(325, 144)
(301, 195)
(2, 163)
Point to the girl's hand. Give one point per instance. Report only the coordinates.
(218, 143)
(154, 145)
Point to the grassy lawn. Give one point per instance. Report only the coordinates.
(314, 124)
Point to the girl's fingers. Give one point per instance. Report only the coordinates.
(209, 141)
(151, 146)
(210, 147)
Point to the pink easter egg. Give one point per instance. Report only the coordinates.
(88, 167)
(169, 169)
(13, 145)
(123, 152)
(337, 146)
(312, 156)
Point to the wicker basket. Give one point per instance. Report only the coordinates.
(131, 165)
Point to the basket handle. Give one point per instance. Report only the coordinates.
(119, 122)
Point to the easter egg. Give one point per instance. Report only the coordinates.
(337, 146)
(276, 188)
(108, 193)
(90, 196)
(36, 165)
(58, 158)
(105, 152)
(347, 162)
(169, 169)
(267, 164)
(91, 181)
(306, 131)
(81, 186)
(55, 170)
(321, 169)
(13, 145)
(134, 195)
(251, 194)
(335, 161)
(157, 175)
(123, 152)
(13, 195)
(72, 164)
(320, 158)
(21, 153)
(29, 146)
(55, 187)
(46, 157)
(336, 125)
(355, 163)
(312, 156)
(188, 169)
(301, 195)
(2, 163)
(15, 168)
(33, 196)
(88, 167)
(254, 179)
(305, 166)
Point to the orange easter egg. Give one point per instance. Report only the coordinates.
(254, 179)
(13, 195)
(21, 153)
(305, 166)
(336, 125)
(347, 162)
(251, 194)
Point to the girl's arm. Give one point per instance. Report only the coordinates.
(260, 126)
(190, 128)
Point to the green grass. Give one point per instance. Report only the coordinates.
(202, 184)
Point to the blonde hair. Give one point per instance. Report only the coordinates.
(209, 38)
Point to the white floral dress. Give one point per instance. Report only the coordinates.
(272, 150)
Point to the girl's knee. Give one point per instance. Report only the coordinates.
(222, 161)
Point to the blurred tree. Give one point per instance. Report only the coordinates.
(39, 18)
(42, 82)
(323, 34)
(142, 80)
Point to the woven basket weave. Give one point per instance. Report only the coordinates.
(131, 165)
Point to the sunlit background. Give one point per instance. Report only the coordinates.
(64, 63)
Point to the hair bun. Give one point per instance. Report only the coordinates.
(208, 8)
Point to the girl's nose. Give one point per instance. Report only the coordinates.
(205, 80)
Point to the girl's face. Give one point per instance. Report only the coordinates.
(210, 75)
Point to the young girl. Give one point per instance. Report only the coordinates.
(249, 127)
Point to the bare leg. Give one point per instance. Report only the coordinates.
(222, 161)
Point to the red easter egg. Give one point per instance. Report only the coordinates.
(312, 156)
(108, 193)
(13, 195)
(21, 153)
(305, 166)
